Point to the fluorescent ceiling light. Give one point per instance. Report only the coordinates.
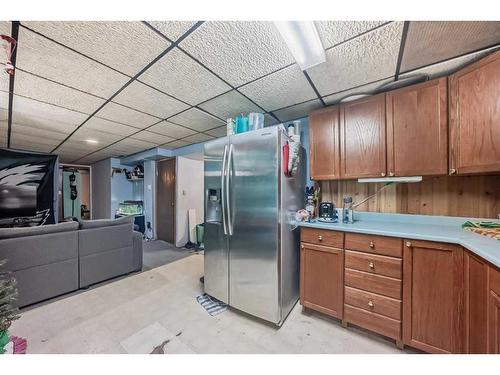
(92, 141)
(303, 41)
(392, 179)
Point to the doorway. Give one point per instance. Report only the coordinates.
(74, 190)
(165, 200)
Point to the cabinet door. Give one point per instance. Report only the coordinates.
(322, 279)
(476, 304)
(417, 129)
(362, 138)
(475, 117)
(324, 144)
(494, 312)
(433, 285)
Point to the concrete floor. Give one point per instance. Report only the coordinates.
(158, 308)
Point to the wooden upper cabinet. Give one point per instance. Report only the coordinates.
(433, 303)
(475, 117)
(324, 144)
(362, 138)
(417, 129)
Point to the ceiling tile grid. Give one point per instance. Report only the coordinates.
(47, 59)
(283, 88)
(152, 137)
(111, 127)
(197, 138)
(229, 105)
(196, 120)
(335, 32)
(127, 46)
(171, 130)
(368, 58)
(172, 29)
(239, 51)
(363, 89)
(298, 111)
(176, 144)
(218, 132)
(182, 77)
(127, 116)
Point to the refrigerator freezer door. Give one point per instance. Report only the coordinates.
(216, 242)
(254, 222)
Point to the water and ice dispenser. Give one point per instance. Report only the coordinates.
(213, 205)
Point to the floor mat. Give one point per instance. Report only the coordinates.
(212, 305)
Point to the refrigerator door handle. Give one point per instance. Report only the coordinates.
(223, 190)
(228, 192)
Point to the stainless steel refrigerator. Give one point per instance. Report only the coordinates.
(251, 249)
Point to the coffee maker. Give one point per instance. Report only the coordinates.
(327, 212)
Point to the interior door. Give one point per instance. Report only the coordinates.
(254, 223)
(165, 200)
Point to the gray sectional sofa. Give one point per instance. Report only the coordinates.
(51, 260)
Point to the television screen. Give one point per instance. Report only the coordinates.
(17, 201)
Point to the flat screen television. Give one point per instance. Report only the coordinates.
(17, 201)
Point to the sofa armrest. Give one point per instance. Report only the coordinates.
(137, 251)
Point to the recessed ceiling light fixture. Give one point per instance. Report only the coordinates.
(303, 41)
(92, 141)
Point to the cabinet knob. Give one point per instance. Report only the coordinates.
(371, 304)
(371, 265)
(320, 238)
(382, 174)
(301, 246)
(408, 244)
(391, 174)
(371, 244)
(453, 171)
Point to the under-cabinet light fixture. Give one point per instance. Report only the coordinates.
(303, 41)
(392, 179)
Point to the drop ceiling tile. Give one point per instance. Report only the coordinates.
(151, 137)
(269, 120)
(27, 141)
(4, 80)
(281, 89)
(364, 89)
(3, 133)
(131, 146)
(80, 146)
(4, 100)
(103, 138)
(228, 105)
(5, 29)
(127, 46)
(218, 132)
(335, 32)
(196, 120)
(45, 58)
(47, 91)
(172, 29)
(432, 41)
(148, 100)
(171, 130)
(450, 66)
(180, 76)
(95, 157)
(298, 111)
(368, 58)
(39, 133)
(45, 116)
(119, 113)
(112, 127)
(239, 51)
(197, 138)
(177, 144)
(69, 154)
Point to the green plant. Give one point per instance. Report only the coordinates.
(8, 294)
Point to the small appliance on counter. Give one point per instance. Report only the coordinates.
(327, 212)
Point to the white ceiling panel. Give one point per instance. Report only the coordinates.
(218, 132)
(228, 105)
(47, 91)
(119, 113)
(145, 99)
(4, 100)
(196, 120)
(172, 29)
(179, 75)
(298, 111)
(4, 79)
(97, 156)
(368, 58)
(103, 138)
(281, 89)
(18, 143)
(80, 147)
(171, 130)
(197, 138)
(428, 42)
(127, 46)
(54, 137)
(69, 154)
(45, 58)
(269, 120)
(151, 137)
(131, 146)
(365, 89)
(45, 116)
(239, 51)
(177, 144)
(102, 125)
(3, 133)
(335, 32)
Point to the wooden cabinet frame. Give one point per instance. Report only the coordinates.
(324, 153)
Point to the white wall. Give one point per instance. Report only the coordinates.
(188, 194)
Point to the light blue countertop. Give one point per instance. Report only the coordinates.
(419, 227)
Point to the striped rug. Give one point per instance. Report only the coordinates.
(212, 305)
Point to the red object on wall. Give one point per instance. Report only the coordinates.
(10, 46)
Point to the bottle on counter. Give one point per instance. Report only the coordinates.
(347, 212)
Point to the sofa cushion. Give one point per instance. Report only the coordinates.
(39, 230)
(90, 224)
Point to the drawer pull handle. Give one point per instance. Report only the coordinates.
(371, 265)
(408, 244)
(371, 244)
(320, 238)
(370, 304)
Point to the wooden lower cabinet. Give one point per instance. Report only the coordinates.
(322, 278)
(433, 303)
(494, 311)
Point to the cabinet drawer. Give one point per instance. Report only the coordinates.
(384, 285)
(322, 237)
(372, 321)
(376, 303)
(377, 264)
(374, 244)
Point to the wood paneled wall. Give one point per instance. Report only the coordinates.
(467, 196)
